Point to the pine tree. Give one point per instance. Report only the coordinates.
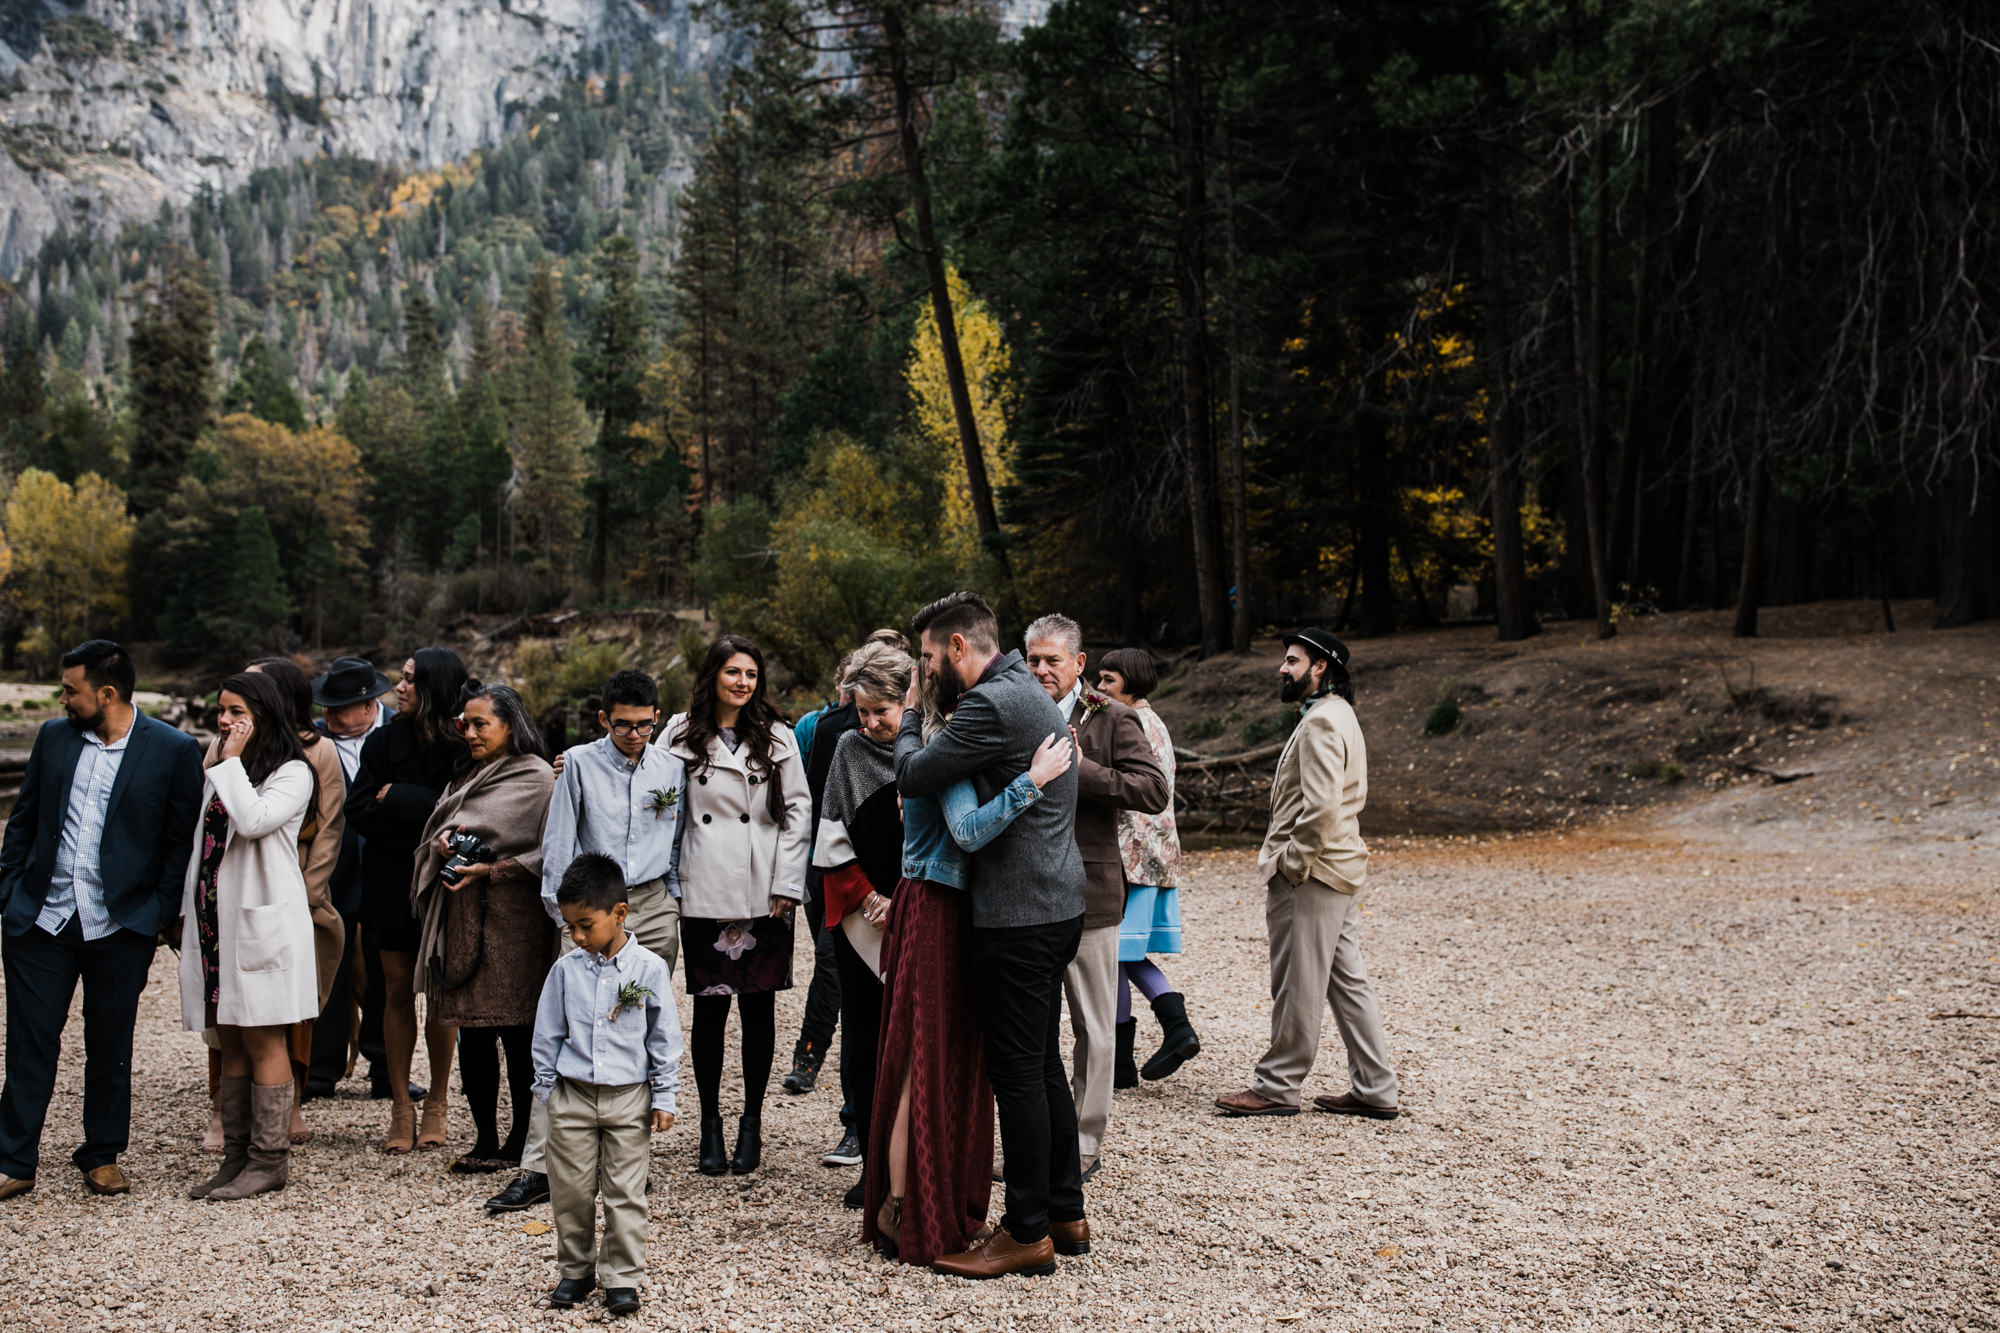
(262, 388)
(173, 373)
(551, 432)
(258, 608)
(611, 369)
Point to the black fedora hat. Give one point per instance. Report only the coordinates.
(1319, 643)
(350, 680)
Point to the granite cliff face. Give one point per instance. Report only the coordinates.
(109, 108)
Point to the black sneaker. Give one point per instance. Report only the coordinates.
(845, 1153)
(805, 1070)
(525, 1191)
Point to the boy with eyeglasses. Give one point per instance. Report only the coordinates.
(619, 795)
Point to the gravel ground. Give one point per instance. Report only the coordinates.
(1651, 1081)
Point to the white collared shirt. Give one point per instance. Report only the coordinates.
(349, 747)
(1068, 702)
(76, 886)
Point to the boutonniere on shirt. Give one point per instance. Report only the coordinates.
(1093, 702)
(631, 995)
(662, 799)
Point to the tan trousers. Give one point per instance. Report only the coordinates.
(598, 1145)
(1316, 961)
(653, 917)
(1091, 987)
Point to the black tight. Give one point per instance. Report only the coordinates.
(479, 1078)
(760, 1042)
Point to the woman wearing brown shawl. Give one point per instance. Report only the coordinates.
(486, 942)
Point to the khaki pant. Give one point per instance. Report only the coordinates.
(652, 917)
(597, 1144)
(1091, 987)
(1316, 961)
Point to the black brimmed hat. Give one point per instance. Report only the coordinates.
(1319, 643)
(350, 680)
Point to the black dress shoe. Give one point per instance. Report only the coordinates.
(857, 1194)
(749, 1154)
(714, 1159)
(524, 1191)
(621, 1300)
(571, 1290)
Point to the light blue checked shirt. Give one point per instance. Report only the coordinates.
(603, 802)
(577, 1039)
(76, 885)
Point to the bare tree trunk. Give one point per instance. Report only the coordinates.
(1750, 587)
(1239, 506)
(1191, 333)
(1587, 340)
(1515, 613)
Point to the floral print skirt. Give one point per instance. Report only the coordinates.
(736, 957)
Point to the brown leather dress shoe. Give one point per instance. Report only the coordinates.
(1250, 1102)
(1070, 1238)
(10, 1186)
(107, 1179)
(1346, 1103)
(998, 1255)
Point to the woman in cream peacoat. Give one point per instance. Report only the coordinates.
(734, 858)
(268, 976)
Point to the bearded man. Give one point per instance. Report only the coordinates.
(1314, 863)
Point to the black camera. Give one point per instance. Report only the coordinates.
(466, 849)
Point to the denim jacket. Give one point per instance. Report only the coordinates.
(940, 832)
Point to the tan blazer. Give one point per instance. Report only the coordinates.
(264, 927)
(1316, 801)
(734, 857)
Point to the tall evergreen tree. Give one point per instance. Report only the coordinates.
(611, 369)
(551, 432)
(173, 373)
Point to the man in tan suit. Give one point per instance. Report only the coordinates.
(1116, 770)
(1314, 863)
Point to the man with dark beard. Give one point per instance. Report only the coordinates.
(1314, 863)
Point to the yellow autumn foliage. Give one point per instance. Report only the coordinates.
(990, 383)
(69, 548)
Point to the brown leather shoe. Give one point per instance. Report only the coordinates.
(1070, 1238)
(107, 1179)
(1251, 1102)
(1346, 1103)
(10, 1186)
(998, 1255)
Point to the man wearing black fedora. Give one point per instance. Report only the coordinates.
(1314, 863)
(349, 696)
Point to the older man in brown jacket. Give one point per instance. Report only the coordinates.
(1116, 770)
(1314, 863)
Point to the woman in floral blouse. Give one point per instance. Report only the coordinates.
(1152, 852)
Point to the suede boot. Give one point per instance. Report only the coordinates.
(1178, 1043)
(232, 1100)
(1124, 1072)
(270, 1145)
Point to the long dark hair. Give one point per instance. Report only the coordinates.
(524, 737)
(274, 741)
(439, 678)
(292, 680)
(755, 724)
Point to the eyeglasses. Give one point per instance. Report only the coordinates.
(633, 728)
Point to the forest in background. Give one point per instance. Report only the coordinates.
(1186, 317)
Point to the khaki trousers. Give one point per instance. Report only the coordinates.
(1091, 986)
(1316, 961)
(598, 1145)
(652, 917)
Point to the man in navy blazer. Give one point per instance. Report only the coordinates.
(90, 875)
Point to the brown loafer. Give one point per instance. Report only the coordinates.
(1251, 1102)
(107, 1179)
(1346, 1103)
(11, 1186)
(998, 1255)
(1070, 1238)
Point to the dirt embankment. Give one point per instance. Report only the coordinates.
(1825, 716)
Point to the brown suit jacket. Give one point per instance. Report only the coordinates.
(1116, 770)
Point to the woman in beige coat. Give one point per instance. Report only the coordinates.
(247, 963)
(746, 831)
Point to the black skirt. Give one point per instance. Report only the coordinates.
(736, 957)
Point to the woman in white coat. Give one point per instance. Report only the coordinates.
(746, 828)
(247, 966)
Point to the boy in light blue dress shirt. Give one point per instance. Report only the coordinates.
(607, 1050)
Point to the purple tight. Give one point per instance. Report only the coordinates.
(1152, 984)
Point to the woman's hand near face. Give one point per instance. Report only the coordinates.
(235, 737)
(1051, 761)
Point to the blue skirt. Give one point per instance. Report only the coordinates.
(1152, 922)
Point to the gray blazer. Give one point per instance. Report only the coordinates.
(1032, 874)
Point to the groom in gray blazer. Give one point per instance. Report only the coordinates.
(1027, 916)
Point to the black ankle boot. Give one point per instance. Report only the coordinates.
(749, 1143)
(714, 1161)
(1125, 1073)
(1178, 1044)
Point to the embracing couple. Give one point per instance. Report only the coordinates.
(1025, 885)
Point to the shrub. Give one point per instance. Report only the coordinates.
(1442, 719)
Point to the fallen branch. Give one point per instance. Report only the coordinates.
(1778, 775)
(1961, 1013)
(1188, 760)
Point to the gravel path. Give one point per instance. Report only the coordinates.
(1651, 1082)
